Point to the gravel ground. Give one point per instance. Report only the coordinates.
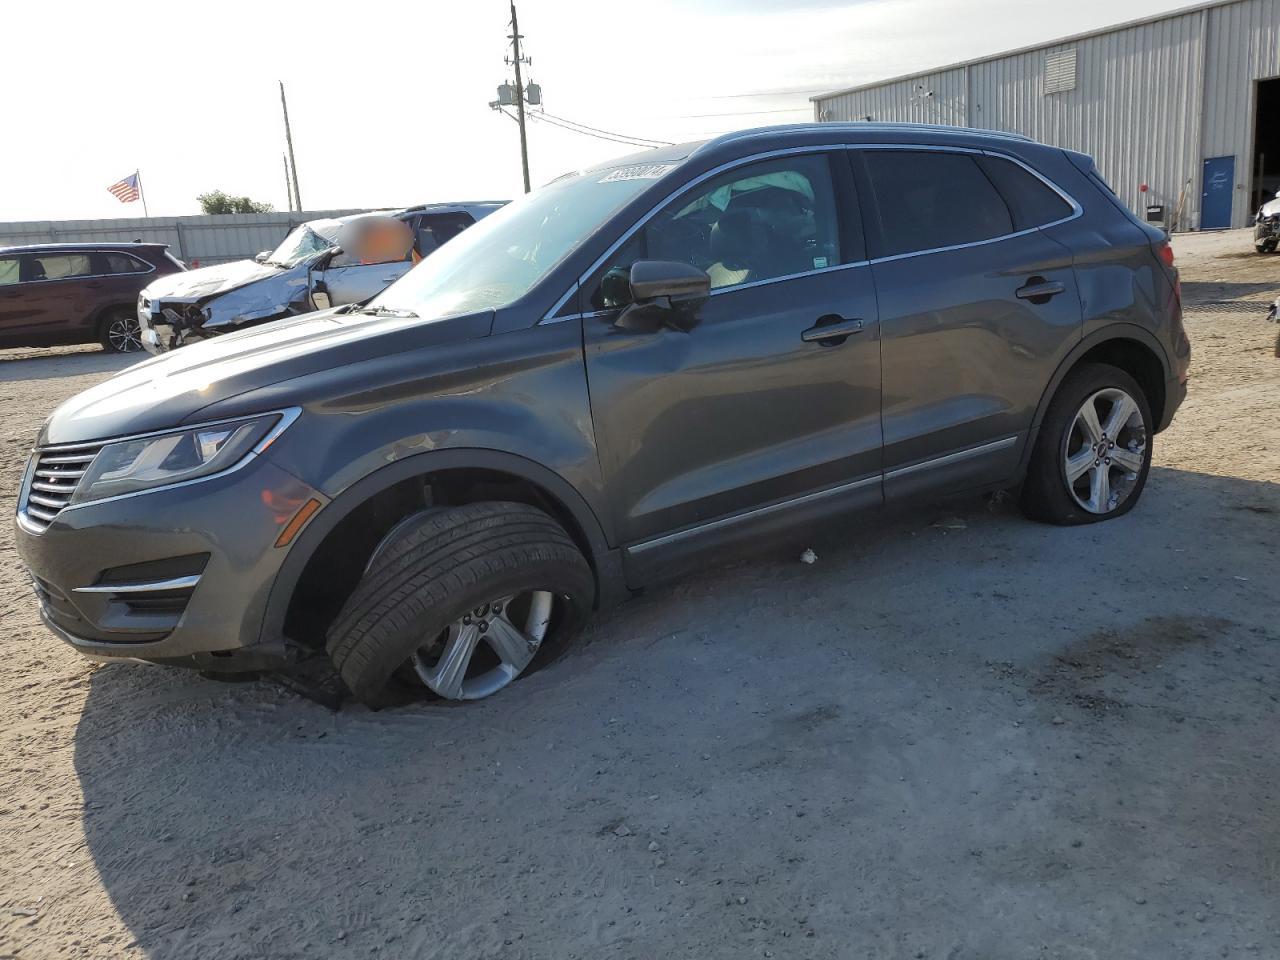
(957, 735)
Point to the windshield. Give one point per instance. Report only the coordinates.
(499, 260)
(298, 246)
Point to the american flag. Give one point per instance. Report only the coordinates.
(126, 190)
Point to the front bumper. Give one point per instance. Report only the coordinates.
(176, 575)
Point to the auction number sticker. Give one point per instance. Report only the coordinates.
(639, 171)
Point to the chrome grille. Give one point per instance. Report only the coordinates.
(53, 480)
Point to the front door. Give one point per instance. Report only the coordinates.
(354, 282)
(1219, 190)
(751, 411)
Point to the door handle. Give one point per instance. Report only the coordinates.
(831, 328)
(1039, 290)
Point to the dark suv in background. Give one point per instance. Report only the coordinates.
(60, 293)
(601, 384)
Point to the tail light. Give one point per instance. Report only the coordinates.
(1164, 250)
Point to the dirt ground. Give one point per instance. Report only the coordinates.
(958, 735)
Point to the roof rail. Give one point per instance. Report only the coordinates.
(850, 126)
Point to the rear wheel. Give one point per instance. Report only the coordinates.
(459, 602)
(120, 332)
(1093, 452)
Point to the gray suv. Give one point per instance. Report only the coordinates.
(634, 367)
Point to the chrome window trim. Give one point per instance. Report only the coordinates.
(765, 510)
(1077, 212)
(287, 417)
(959, 455)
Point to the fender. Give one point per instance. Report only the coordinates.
(605, 561)
(1115, 331)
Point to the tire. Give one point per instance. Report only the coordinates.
(120, 332)
(427, 586)
(1047, 493)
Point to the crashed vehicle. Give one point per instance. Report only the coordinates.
(308, 271)
(1266, 229)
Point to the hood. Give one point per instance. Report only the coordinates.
(1271, 208)
(170, 390)
(208, 281)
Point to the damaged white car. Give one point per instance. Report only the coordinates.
(308, 271)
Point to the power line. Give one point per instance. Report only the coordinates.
(623, 139)
(586, 128)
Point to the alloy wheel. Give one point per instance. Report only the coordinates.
(1104, 451)
(124, 334)
(486, 648)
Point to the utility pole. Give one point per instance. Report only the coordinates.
(288, 190)
(515, 49)
(288, 139)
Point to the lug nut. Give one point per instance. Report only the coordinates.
(466, 619)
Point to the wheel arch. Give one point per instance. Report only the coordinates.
(105, 310)
(1133, 349)
(347, 529)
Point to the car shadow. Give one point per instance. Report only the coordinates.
(676, 748)
(1198, 292)
(57, 363)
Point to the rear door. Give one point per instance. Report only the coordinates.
(121, 276)
(977, 308)
(713, 433)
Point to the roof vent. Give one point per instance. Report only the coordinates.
(1060, 71)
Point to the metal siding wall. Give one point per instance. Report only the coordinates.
(206, 239)
(1243, 46)
(1136, 107)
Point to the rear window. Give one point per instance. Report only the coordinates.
(8, 271)
(1031, 201)
(124, 263)
(933, 199)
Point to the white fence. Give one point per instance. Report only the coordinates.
(199, 241)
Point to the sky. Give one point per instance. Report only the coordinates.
(389, 100)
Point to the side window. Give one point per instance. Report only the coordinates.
(436, 229)
(932, 199)
(123, 263)
(59, 266)
(765, 220)
(8, 271)
(1031, 201)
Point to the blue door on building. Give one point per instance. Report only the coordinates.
(1219, 189)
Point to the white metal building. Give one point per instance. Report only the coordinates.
(1187, 103)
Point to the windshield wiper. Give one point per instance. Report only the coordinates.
(389, 312)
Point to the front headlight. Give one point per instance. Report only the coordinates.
(144, 463)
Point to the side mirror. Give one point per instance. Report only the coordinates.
(653, 279)
(664, 293)
(261, 256)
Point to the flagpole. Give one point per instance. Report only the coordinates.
(141, 194)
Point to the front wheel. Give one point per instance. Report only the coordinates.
(120, 332)
(459, 602)
(1093, 452)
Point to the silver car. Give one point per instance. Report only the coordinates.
(308, 271)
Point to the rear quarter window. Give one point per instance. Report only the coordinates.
(1032, 202)
(927, 200)
(8, 271)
